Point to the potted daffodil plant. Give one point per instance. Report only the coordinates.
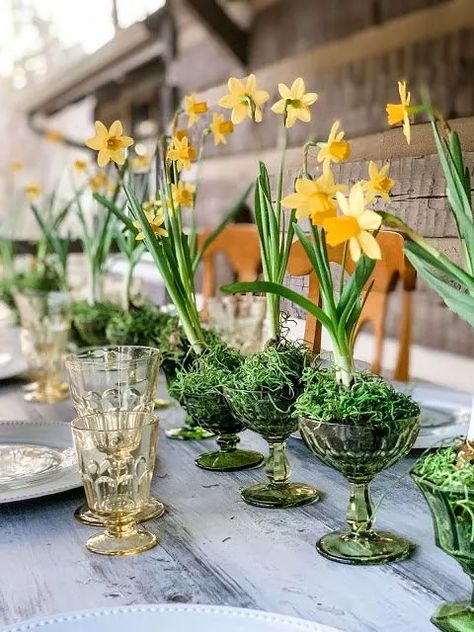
(446, 475)
(353, 421)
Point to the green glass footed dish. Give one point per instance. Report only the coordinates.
(359, 453)
(452, 510)
(215, 416)
(271, 416)
(190, 430)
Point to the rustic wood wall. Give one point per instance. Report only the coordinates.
(352, 53)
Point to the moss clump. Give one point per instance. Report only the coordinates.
(276, 369)
(440, 469)
(208, 373)
(139, 326)
(370, 401)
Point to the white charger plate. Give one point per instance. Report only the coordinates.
(185, 618)
(11, 365)
(51, 434)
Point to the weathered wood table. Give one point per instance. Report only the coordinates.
(215, 549)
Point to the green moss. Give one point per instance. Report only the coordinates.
(90, 322)
(370, 400)
(440, 468)
(140, 326)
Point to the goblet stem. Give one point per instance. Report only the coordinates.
(359, 511)
(120, 527)
(277, 466)
(227, 442)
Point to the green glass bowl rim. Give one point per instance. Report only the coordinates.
(458, 489)
(414, 418)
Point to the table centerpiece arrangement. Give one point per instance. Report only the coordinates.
(446, 475)
(352, 420)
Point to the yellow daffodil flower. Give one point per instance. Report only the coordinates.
(16, 166)
(181, 152)
(194, 109)
(155, 218)
(244, 99)
(80, 165)
(183, 194)
(110, 143)
(54, 136)
(33, 190)
(141, 162)
(153, 205)
(400, 112)
(220, 128)
(354, 225)
(315, 198)
(294, 103)
(379, 183)
(181, 133)
(336, 149)
(99, 182)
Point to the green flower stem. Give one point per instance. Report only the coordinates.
(344, 361)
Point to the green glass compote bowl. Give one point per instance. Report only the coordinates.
(271, 416)
(215, 416)
(359, 453)
(190, 430)
(453, 522)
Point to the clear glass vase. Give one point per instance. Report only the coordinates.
(271, 416)
(360, 453)
(45, 327)
(215, 416)
(453, 523)
(114, 379)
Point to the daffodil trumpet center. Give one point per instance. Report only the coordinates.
(200, 108)
(226, 127)
(113, 143)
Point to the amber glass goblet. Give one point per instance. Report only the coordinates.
(271, 416)
(453, 521)
(359, 453)
(45, 326)
(114, 379)
(117, 453)
(213, 413)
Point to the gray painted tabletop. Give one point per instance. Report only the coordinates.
(215, 549)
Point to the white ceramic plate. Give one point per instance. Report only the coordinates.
(172, 617)
(11, 365)
(50, 434)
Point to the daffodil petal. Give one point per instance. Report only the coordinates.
(239, 113)
(354, 249)
(294, 200)
(94, 143)
(306, 186)
(279, 106)
(297, 89)
(103, 158)
(369, 220)
(369, 245)
(284, 91)
(356, 201)
(101, 130)
(309, 98)
(343, 203)
(116, 129)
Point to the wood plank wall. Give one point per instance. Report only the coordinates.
(352, 53)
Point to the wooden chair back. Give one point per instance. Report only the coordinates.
(393, 268)
(240, 245)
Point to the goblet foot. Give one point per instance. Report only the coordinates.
(372, 547)
(154, 509)
(136, 541)
(289, 495)
(457, 616)
(189, 433)
(49, 394)
(230, 461)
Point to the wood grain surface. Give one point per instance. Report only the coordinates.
(215, 549)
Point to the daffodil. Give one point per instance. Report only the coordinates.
(335, 149)
(194, 109)
(54, 136)
(354, 226)
(99, 182)
(110, 143)
(156, 219)
(244, 99)
(16, 166)
(400, 112)
(314, 198)
(153, 205)
(183, 194)
(220, 128)
(294, 103)
(141, 162)
(378, 183)
(181, 152)
(80, 165)
(181, 133)
(33, 190)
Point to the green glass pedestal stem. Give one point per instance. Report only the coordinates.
(279, 492)
(361, 545)
(228, 458)
(189, 431)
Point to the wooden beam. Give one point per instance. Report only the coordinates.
(219, 24)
